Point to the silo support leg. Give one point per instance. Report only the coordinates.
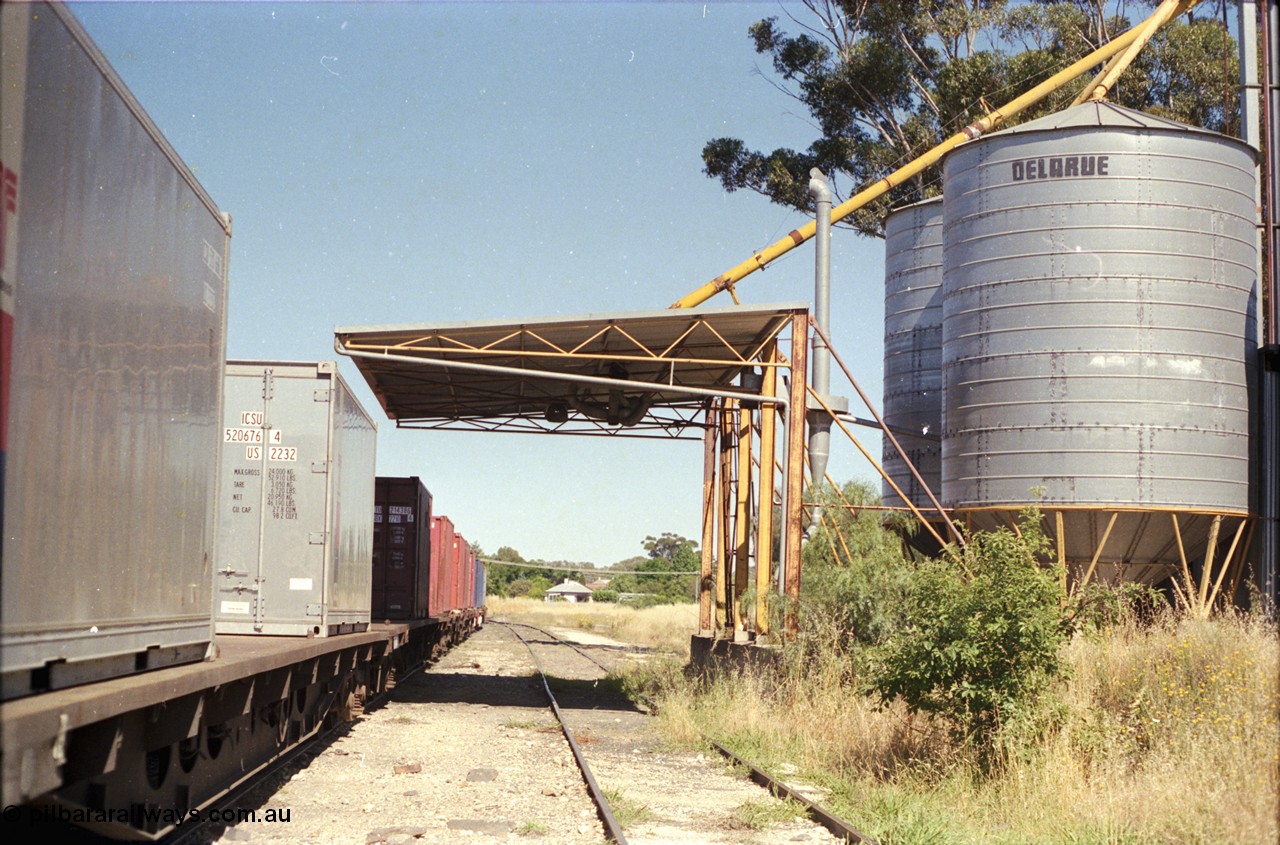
(1207, 571)
(1227, 562)
(1062, 548)
(1182, 557)
(1093, 564)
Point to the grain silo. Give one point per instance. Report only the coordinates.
(1099, 336)
(913, 348)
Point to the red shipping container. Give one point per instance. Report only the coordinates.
(444, 560)
(460, 548)
(466, 574)
(401, 549)
(469, 595)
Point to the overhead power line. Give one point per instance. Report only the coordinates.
(580, 570)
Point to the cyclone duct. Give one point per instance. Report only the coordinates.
(1099, 333)
(913, 348)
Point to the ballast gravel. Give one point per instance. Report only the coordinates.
(468, 751)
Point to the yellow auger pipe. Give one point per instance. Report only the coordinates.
(977, 128)
(1102, 83)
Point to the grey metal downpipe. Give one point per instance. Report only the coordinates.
(820, 381)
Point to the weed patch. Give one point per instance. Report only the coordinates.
(626, 811)
(765, 813)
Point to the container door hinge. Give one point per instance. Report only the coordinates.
(315, 610)
(320, 466)
(321, 395)
(316, 538)
(268, 386)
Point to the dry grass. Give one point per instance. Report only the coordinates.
(1174, 731)
(1162, 734)
(666, 627)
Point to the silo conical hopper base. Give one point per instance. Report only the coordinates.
(1147, 546)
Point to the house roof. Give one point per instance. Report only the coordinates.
(570, 586)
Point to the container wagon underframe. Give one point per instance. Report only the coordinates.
(138, 752)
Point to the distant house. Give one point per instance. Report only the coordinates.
(601, 584)
(568, 591)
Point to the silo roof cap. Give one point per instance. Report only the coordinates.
(1101, 114)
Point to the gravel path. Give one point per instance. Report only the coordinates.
(468, 751)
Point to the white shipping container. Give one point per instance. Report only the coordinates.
(295, 516)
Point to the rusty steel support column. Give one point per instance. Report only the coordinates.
(725, 503)
(792, 528)
(707, 580)
(742, 524)
(764, 495)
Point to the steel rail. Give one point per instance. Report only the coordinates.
(612, 828)
(563, 641)
(836, 825)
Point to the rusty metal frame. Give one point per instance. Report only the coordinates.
(742, 522)
(764, 523)
(739, 482)
(794, 471)
(707, 580)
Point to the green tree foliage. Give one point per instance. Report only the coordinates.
(538, 586)
(855, 575)
(884, 82)
(982, 640)
(517, 581)
(665, 554)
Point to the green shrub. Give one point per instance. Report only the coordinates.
(982, 639)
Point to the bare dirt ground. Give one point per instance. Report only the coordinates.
(468, 751)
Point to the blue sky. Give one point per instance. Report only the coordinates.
(433, 162)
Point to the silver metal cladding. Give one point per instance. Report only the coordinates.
(1098, 328)
(913, 347)
(114, 280)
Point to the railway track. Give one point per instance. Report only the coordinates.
(466, 749)
(612, 828)
(838, 827)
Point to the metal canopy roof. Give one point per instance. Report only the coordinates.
(647, 373)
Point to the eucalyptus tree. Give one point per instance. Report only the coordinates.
(884, 82)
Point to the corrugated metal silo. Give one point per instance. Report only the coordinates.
(1098, 334)
(913, 348)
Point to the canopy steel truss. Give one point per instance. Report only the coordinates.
(641, 374)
